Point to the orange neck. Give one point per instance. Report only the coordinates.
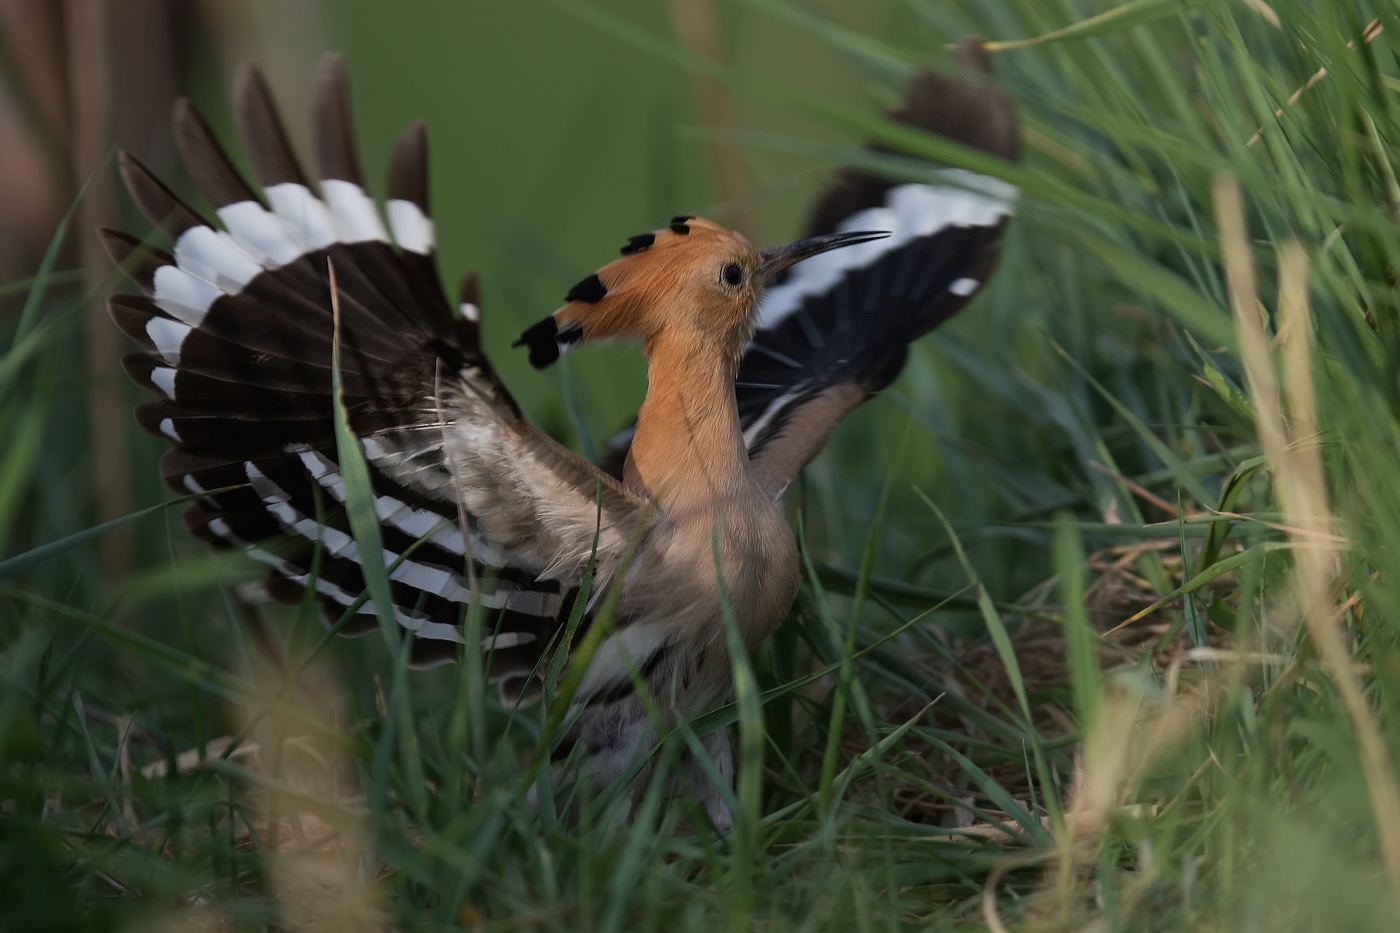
(688, 450)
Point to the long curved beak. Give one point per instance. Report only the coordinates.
(778, 258)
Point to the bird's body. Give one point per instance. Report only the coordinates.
(476, 507)
(712, 546)
(707, 542)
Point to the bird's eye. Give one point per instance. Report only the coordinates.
(733, 274)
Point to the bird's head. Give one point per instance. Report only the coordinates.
(692, 276)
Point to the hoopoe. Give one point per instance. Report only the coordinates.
(753, 357)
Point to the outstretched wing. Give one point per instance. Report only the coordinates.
(837, 330)
(475, 505)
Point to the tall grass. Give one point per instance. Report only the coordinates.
(1098, 628)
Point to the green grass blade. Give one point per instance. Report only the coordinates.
(1081, 641)
(359, 494)
(13, 566)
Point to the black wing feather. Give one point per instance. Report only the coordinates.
(236, 328)
(837, 330)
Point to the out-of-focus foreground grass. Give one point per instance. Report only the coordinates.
(1100, 630)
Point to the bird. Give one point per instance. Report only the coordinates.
(244, 319)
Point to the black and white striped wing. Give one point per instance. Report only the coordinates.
(837, 330)
(475, 506)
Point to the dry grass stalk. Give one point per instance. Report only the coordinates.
(1372, 31)
(1266, 11)
(192, 759)
(1130, 738)
(316, 869)
(305, 815)
(1301, 487)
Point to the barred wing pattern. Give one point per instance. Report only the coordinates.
(837, 330)
(475, 505)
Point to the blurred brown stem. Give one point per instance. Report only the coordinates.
(123, 59)
(697, 27)
(89, 78)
